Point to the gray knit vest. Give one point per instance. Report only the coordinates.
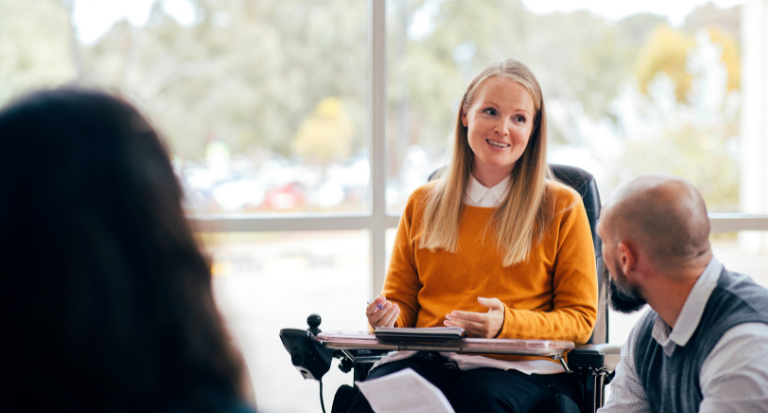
(672, 383)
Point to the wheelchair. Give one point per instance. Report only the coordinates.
(593, 364)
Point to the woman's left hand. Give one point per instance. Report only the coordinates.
(484, 325)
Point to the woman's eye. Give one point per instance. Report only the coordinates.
(520, 118)
(490, 111)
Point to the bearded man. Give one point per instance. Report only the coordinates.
(703, 345)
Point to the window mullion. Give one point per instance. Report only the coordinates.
(377, 108)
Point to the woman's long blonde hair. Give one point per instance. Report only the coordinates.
(524, 215)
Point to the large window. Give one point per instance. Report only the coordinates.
(298, 129)
(263, 104)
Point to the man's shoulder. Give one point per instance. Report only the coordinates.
(742, 341)
(741, 289)
(738, 282)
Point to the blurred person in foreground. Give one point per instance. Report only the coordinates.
(703, 345)
(106, 302)
(495, 246)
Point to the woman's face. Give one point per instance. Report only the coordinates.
(499, 123)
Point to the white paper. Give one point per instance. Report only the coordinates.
(466, 363)
(404, 392)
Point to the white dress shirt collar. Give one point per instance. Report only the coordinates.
(690, 315)
(479, 195)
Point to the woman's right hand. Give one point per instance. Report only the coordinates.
(382, 313)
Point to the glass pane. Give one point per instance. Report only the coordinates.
(745, 252)
(263, 103)
(264, 282)
(389, 244)
(628, 89)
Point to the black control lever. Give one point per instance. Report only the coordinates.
(309, 357)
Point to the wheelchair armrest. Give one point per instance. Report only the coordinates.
(595, 356)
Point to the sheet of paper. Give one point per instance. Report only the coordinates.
(404, 392)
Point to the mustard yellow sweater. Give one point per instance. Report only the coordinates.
(553, 295)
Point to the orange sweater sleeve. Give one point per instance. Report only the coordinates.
(402, 283)
(574, 307)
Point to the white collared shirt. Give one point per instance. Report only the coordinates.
(734, 376)
(480, 196)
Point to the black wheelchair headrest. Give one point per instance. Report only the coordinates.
(584, 183)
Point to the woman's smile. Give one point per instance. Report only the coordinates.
(498, 145)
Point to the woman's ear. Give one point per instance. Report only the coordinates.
(464, 118)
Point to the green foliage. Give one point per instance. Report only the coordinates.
(700, 156)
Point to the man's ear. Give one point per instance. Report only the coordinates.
(627, 258)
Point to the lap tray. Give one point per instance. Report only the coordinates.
(360, 340)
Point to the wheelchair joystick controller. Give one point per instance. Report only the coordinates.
(310, 358)
(313, 321)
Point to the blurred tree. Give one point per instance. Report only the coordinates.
(326, 134)
(35, 46)
(605, 64)
(577, 57)
(709, 15)
(683, 143)
(246, 73)
(699, 156)
(666, 52)
(731, 56)
(723, 26)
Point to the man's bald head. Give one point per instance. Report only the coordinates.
(664, 216)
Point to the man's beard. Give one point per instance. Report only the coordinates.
(624, 298)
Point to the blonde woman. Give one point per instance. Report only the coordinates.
(494, 246)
